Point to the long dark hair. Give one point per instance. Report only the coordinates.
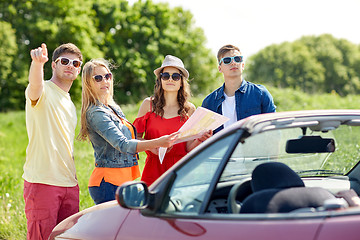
(158, 100)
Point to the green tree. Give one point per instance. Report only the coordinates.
(53, 23)
(311, 64)
(8, 79)
(135, 37)
(286, 65)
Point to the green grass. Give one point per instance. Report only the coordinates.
(13, 143)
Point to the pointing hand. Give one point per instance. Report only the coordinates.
(40, 54)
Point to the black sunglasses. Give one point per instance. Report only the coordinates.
(227, 60)
(66, 61)
(166, 76)
(99, 78)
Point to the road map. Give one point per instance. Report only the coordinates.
(201, 121)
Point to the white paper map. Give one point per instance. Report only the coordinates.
(201, 121)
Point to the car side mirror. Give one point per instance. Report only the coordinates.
(133, 195)
(310, 144)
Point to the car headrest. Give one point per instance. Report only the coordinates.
(272, 175)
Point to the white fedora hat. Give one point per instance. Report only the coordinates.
(172, 61)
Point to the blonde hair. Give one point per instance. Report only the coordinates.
(89, 96)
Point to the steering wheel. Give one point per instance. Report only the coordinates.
(175, 205)
(232, 205)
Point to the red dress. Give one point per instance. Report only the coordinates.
(155, 126)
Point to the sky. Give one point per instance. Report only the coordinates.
(254, 24)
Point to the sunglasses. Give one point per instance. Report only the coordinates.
(227, 60)
(166, 76)
(65, 61)
(99, 78)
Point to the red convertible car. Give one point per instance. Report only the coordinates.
(286, 175)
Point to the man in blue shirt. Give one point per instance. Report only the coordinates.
(237, 98)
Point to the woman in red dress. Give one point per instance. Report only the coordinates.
(165, 113)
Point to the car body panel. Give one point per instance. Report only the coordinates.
(99, 222)
(190, 201)
(182, 228)
(345, 227)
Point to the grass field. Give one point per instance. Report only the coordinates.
(13, 142)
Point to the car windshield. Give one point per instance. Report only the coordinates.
(311, 149)
(271, 146)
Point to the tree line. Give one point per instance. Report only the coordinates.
(312, 64)
(136, 38)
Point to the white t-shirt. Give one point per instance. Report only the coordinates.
(228, 110)
(50, 126)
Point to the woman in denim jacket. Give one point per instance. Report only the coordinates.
(112, 136)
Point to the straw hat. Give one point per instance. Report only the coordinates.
(172, 61)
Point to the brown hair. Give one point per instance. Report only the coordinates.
(67, 48)
(227, 48)
(158, 100)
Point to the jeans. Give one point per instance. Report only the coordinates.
(104, 193)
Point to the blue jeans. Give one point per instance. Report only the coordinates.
(104, 193)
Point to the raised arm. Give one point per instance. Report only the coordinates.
(39, 57)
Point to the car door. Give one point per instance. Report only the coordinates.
(183, 213)
(210, 227)
(185, 194)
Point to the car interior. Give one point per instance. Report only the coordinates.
(270, 193)
(276, 188)
(312, 167)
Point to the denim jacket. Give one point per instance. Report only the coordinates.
(250, 99)
(111, 139)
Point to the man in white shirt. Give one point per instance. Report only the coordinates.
(51, 190)
(237, 98)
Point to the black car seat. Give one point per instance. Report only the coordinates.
(278, 189)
